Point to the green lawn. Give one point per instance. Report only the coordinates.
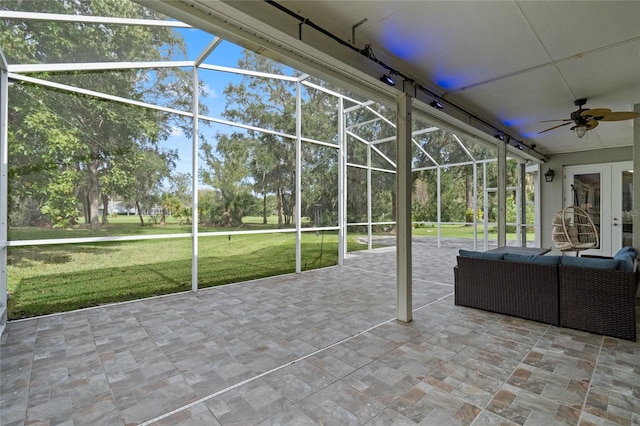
(123, 225)
(461, 231)
(56, 278)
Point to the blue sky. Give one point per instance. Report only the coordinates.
(226, 54)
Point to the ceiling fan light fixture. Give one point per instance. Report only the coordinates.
(588, 119)
(580, 130)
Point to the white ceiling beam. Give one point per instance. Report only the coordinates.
(95, 66)
(33, 16)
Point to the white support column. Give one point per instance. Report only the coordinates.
(502, 193)
(439, 203)
(636, 178)
(485, 206)
(342, 191)
(194, 161)
(475, 205)
(298, 211)
(369, 203)
(522, 219)
(4, 163)
(403, 209)
(194, 182)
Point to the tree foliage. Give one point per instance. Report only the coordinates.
(70, 153)
(241, 163)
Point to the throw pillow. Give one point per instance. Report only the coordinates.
(573, 234)
(481, 254)
(560, 220)
(626, 256)
(588, 262)
(537, 259)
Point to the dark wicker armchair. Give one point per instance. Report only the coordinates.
(518, 289)
(599, 301)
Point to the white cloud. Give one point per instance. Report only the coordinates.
(176, 132)
(209, 92)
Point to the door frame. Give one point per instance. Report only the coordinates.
(610, 201)
(617, 215)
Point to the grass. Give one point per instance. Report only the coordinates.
(123, 225)
(461, 231)
(57, 278)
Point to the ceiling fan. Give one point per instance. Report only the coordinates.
(584, 119)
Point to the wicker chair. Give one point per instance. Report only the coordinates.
(573, 230)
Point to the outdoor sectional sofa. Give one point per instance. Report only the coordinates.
(592, 294)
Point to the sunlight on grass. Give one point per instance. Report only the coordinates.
(462, 231)
(56, 278)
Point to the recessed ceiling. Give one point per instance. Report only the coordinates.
(512, 63)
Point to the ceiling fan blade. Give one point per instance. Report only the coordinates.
(591, 124)
(555, 127)
(596, 113)
(550, 121)
(620, 115)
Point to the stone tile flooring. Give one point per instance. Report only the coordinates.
(318, 348)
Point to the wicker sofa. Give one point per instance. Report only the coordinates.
(560, 290)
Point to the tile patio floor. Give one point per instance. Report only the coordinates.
(318, 348)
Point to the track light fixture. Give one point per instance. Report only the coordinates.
(499, 135)
(367, 52)
(520, 146)
(388, 80)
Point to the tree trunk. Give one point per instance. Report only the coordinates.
(140, 213)
(264, 207)
(279, 204)
(105, 210)
(94, 195)
(468, 185)
(394, 205)
(285, 210)
(163, 217)
(85, 208)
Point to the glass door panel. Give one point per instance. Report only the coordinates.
(605, 191)
(622, 206)
(588, 187)
(586, 194)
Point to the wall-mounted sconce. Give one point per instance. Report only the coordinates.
(548, 177)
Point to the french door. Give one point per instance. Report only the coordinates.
(604, 191)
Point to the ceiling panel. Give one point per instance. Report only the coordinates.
(610, 74)
(515, 63)
(510, 99)
(511, 63)
(567, 28)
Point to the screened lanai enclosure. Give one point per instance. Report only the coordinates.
(141, 156)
